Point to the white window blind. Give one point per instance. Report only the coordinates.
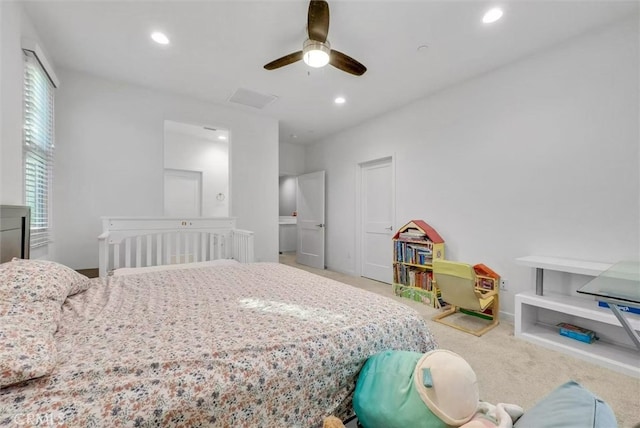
(38, 147)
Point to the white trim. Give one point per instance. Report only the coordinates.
(32, 46)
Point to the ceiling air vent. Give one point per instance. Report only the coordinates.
(251, 98)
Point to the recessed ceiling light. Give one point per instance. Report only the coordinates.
(222, 137)
(340, 100)
(492, 15)
(160, 38)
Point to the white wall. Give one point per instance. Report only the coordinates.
(2, 48)
(291, 159)
(211, 158)
(11, 72)
(14, 26)
(538, 157)
(109, 161)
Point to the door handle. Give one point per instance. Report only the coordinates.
(320, 225)
(389, 228)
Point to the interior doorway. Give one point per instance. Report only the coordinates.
(377, 219)
(287, 219)
(310, 219)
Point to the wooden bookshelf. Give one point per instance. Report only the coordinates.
(415, 246)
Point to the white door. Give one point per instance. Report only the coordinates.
(377, 211)
(182, 193)
(310, 205)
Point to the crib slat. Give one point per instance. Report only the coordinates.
(178, 249)
(116, 256)
(194, 248)
(168, 249)
(203, 247)
(149, 239)
(234, 241)
(186, 248)
(212, 249)
(159, 249)
(138, 251)
(237, 242)
(220, 254)
(127, 252)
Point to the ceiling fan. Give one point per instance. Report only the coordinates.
(316, 50)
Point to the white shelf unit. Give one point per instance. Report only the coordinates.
(536, 317)
(564, 265)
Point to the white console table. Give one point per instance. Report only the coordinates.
(537, 313)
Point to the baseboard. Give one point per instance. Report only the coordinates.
(340, 270)
(507, 317)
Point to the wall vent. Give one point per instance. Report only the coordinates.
(251, 98)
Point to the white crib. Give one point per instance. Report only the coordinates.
(155, 241)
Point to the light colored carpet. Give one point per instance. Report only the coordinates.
(511, 370)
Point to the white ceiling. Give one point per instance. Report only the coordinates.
(220, 46)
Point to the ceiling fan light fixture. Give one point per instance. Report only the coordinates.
(315, 53)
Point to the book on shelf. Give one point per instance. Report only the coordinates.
(415, 246)
(411, 253)
(623, 308)
(413, 277)
(412, 233)
(577, 333)
(412, 236)
(488, 279)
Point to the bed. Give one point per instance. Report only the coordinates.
(214, 343)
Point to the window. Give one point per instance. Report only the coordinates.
(38, 140)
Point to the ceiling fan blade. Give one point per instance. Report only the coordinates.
(318, 20)
(346, 63)
(285, 60)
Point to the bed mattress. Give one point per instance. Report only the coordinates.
(254, 345)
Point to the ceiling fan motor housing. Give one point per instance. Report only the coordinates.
(316, 53)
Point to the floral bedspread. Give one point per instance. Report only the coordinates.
(247, 345)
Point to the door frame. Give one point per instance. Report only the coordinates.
(359, 201)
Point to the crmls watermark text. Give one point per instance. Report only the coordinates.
(39, 419)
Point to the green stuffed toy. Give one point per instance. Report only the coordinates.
(439, 389)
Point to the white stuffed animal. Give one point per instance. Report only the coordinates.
(396, 389)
